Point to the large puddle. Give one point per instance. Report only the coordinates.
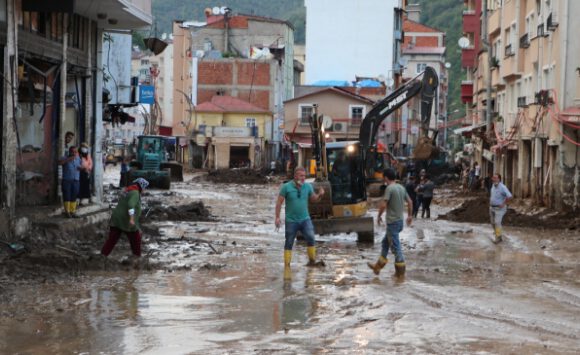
(461, 293)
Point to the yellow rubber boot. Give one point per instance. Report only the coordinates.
(287, 273)
(379, 265)
(311, 254)
(73, 207)
(400, 268)
(66, 207)
(497, 231)
(287, 257)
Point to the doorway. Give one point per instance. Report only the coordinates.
(240, 157)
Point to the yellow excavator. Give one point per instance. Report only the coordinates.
(344, 169)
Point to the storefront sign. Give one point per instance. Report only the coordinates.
(232, 131)
(147, 94)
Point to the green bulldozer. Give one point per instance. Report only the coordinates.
(152, 163)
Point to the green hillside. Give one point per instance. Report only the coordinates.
(446, 15)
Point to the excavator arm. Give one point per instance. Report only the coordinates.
(424, 84)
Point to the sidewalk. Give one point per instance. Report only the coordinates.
(51, 217)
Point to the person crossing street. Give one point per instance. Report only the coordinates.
(499, 197)
(394, 204)
(296, 193)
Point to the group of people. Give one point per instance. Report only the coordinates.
(77, 166)
(421, 193)
(296, 194)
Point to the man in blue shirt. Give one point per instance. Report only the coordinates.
(296, 193)
(71, 166)
(499, 197)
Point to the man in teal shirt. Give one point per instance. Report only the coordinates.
(297, 194)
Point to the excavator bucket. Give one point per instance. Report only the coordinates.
(425, 149)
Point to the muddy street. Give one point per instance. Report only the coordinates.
(212, 281)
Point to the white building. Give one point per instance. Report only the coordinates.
(350, 38)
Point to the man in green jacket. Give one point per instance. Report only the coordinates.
(125, 218)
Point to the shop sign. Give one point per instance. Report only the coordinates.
(222, 131)
(487, 154)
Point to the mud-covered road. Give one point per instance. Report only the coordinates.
(217, 286)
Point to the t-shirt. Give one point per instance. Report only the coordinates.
(499, 194)
(427, 189)
(395, 195)
(296, 201)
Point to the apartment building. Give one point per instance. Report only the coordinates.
(54, 52)
(422, 46)
(535, 98)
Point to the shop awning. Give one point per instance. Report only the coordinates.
(469, 128)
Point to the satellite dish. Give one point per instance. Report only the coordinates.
(164, 36)
(199, 53)
(223, 10)
(390, 82)
(447, 65)
(215, 11)
(382, 78)
(463, 42)
(326, 121)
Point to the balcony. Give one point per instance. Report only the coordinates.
(509, 51)
(552, 22)
(466, 91)
(470, 22)
(494, 25)
(510, 69)
(522, 102)
(525, 41)
(541, 32)
(468, 56)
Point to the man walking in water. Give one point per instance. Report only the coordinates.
(297, 194)
(394, 204)
(499, 197)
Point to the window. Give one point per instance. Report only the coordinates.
(356, 114)
(421, 67)
(305, 111)
(144, 62)
(250, 122)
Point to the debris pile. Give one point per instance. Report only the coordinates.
(195, 212)
(477, 211)
(238, 176)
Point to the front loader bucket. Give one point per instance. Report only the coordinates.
(176, 170)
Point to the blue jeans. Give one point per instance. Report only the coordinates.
(70, 190)
(391, 240)
(305, 227)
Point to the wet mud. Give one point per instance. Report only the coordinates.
(239, 176)
(219, 286)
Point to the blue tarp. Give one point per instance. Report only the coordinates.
(331, 83)
(368, 84)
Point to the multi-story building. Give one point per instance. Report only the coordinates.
(423, 46)
(244, 56)
(54, 54)
(535, 98)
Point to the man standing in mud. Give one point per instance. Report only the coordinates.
(394, 204)
(499, 197)
(296, 193)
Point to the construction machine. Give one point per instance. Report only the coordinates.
(344, 169)
(152, 164)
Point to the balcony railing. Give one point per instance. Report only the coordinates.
(541, 32)
(552, 22)
(525, 41)
(522, 101)
(509, 51)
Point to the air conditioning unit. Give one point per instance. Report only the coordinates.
(339, 127)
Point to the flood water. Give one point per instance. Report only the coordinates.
(461, 294)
